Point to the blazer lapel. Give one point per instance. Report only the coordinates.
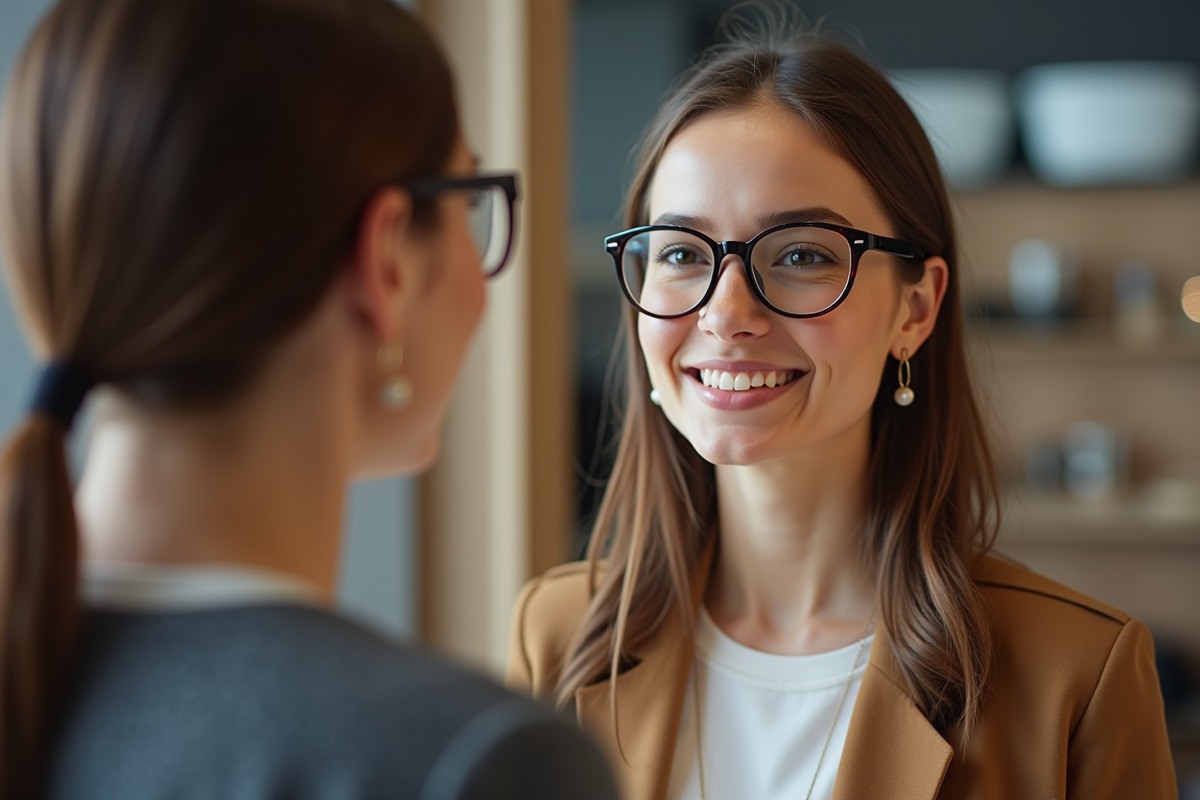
(649, 699)
(892, 752)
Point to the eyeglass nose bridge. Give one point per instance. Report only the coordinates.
(742, 250)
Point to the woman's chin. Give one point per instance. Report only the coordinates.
(426, 458)
(402, 462)
(738, 450)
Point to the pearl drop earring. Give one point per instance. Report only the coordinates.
(655, 397)
(904, 395)
(397, 390)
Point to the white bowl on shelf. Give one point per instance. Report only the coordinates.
(1110, 122)
(968, 116)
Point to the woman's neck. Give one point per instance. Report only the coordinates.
(212, 489)
(260, 482)
(789, 576)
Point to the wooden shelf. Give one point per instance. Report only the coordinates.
(1133, 521)
(1083, 342)
(1020, 181)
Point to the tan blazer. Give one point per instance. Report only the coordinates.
(1074, 709)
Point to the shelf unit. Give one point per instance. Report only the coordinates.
(1159, 224)
(1037, 379)
(1135, 550)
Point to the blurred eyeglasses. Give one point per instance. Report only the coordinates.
(799, 269)
(490, 212)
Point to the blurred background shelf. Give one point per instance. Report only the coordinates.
(1130, 521)
(1085, 341)
(1106, 226)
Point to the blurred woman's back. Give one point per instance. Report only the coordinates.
(210, 214)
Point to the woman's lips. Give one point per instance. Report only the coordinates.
(738, 390)
(744, 381)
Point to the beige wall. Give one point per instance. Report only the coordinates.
(497, 509)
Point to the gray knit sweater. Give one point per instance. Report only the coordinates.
(289, 702)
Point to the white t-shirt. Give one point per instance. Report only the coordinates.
(765, 719)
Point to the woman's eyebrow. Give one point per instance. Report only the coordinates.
(812, 214)
(683, 221)
(764, 221)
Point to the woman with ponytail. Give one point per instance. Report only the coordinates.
(788, 592)
(246, 231)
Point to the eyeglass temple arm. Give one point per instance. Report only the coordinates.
(896, 247)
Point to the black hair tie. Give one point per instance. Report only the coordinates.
(60, 391)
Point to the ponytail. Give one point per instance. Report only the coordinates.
(39, 607)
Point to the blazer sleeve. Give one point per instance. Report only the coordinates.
(1119, 748)
(545, 617)
(520, 750)
(518, 674)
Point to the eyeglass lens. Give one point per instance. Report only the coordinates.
(799, 270)
(489, 220)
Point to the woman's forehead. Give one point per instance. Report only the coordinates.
(733, 167)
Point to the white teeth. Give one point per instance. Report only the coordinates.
(742, 381)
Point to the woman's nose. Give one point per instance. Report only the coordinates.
(734, 310)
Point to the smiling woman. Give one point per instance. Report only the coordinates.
(789, 591)
(767, 308)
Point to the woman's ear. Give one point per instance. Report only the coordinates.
(379, 275)
(920, 303)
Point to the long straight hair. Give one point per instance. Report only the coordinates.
(180, 182)
(933, 502)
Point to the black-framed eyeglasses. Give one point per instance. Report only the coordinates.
(491, 214)
(798, 269)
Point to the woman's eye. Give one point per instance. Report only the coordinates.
(802, 257)
(679, 256)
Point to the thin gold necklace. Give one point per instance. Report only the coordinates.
(698, 707)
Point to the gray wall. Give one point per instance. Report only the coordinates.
(378, 570)
(1000, 34)
(627, 52)
(16, 366)
(624, 57)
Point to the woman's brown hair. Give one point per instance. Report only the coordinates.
(180, 182)
(933, 502)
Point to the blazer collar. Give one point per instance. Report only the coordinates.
(649, 699)
(892, 752)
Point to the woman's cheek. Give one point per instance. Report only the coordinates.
(659, 339)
